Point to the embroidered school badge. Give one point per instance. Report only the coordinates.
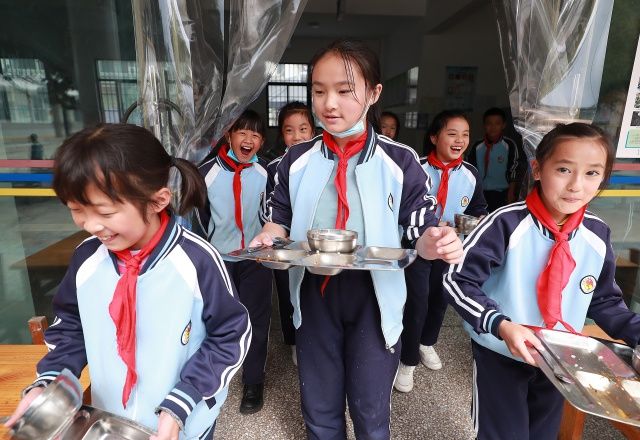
(464, 202)
(588, 284)
(390, 202)
(186, 334)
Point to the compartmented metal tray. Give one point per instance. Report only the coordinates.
(93, 424)
(590, 375)
(298, 253)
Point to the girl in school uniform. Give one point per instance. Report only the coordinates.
(147, 304)
(236, 180)
(543, 262)
(295, 124)
(458, 190)
(348, 326)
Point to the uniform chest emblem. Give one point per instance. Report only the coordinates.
(390, 202)
(500, 159)
(464, 202)
(588, 284)
(186, 334)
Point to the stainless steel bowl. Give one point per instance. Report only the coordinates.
(635, 359)
(52, 411)
(332, 240)
(321, 263)
(281, 259)
(465, 223)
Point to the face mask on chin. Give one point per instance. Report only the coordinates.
(357, 128)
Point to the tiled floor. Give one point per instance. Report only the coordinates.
(437, 408)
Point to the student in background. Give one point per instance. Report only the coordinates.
(543, 262)
(295, 125)
(236, 180)
(389, 125)
(147, 304)
(458, 190)
(348, 325)
(497, 159)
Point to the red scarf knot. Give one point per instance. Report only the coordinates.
(556, 274)
(352, 148)
(443, 189)
(123, 305)
(237, 168)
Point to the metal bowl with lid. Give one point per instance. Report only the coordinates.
(52, 411)
(332, 240)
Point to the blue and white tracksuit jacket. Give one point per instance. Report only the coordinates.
(216, 220)
(502, 260)
(393, 189)
(192, 333)
(464, 195)
(504, 161)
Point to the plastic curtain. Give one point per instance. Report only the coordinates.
(553, 55)
(189, 92)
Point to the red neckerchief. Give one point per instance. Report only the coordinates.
(351, 149)
(555, 276)
(487, 153)
(443, 189)
(123, 305)
(237, 168)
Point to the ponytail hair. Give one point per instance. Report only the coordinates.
(193, 189)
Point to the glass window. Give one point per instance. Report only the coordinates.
(54, 81)
(285, 86)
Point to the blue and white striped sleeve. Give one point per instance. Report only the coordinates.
(417, 207)
(223, 350)
(483, 251)
(607, 307)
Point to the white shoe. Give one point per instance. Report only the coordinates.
(429, 357)
(294, 355)
(404, 378)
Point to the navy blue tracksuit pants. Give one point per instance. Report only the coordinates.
(253, 284)
(341, 351)
(281, 278)
(512, 400)
(425, 308)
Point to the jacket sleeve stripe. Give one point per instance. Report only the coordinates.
(472, 307)
(231, 370)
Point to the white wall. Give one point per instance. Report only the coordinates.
(473, 41)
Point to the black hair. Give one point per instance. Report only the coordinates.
(125, 162)
(395, 117)
(575, 130)
(292, 108)
(494, 111)
(355, 52)
(250, 120)
(438, 123)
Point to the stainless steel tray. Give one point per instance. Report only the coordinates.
(298, 253)
(93, 424)
(590, 375)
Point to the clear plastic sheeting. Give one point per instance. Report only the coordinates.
(189, 92)
(553, 55)
(260, 31)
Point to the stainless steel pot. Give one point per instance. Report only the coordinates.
(332, 240)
